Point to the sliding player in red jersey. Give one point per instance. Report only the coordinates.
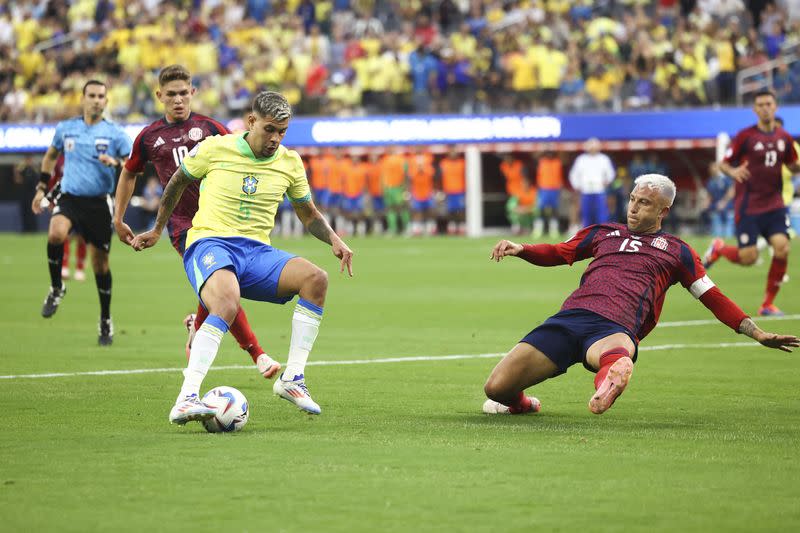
(755, 160)
(616, 305)
(165, 143)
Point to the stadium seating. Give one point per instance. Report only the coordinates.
(351, 58)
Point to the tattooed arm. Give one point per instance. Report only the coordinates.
(770, 340)
(169, 199)
(317, 226)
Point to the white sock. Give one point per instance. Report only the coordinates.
(305, 327)
(204, 350)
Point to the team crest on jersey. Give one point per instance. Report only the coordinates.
(660, 243)
(195, 134)
(69, 143)
(209, 260)
(101, 145)
(781, 145)
(249, 184)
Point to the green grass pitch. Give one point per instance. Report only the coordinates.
(704, 439)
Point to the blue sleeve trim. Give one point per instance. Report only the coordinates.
(303, 200)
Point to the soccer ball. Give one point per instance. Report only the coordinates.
(231, 407)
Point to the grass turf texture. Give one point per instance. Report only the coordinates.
(704, 438)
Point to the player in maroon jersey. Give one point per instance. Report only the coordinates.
(616, 305)
(165, 143)
(755, 160)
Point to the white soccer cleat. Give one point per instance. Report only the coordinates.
(64, 272)
(491, 407)
(267, 366)
(80, 275)
(295, 391)
(188, 409)
(188, 322)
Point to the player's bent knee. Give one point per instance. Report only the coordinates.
(317, 281)
(748, 257)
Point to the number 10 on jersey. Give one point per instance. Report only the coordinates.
(178, 154)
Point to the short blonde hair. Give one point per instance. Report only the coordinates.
(664, 185)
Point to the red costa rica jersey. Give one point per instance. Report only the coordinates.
(765, 153)
(165, 144)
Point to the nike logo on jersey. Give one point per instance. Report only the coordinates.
(159, 142)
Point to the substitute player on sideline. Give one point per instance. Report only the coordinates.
(165, 143)
(755, 160)
(616, 305)
(228, 251)
(93, 149)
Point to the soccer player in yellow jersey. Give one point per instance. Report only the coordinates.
(228, 254)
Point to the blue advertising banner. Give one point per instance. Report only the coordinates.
(443, 129)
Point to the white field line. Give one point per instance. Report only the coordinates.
(356, 361)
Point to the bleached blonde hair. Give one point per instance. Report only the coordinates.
(664, 185)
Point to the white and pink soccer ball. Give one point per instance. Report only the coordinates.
(232, 410)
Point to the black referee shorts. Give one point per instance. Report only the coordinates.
(90, 217)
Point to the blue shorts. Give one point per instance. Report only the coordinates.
(321, 197)
(422, 205)
(353, 205)
(334, 200)
(548, 198)
(378, 204)
(749, 227)
(566, 336)
(456, 202)
(258, 266)
(594, 209)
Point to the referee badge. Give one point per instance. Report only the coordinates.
(249, 184)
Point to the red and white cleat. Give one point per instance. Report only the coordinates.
(712, 252)
(267, 366)
(617, 379)
(491, 407)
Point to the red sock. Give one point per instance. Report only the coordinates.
(81, 254)
(774, 279)
(65, 261)
(607, 359)
(241, 331)
(200, 316)
(731, 253)
(521, 405)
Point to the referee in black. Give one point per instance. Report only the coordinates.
(94, 150)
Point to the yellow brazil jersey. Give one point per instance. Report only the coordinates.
(240, 194)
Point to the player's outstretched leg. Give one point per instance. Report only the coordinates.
(189, 324)
(712, 254)
(248, 342)
(615, 372)
(302, 277)
(523, 367)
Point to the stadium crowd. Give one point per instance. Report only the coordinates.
(354, 57)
